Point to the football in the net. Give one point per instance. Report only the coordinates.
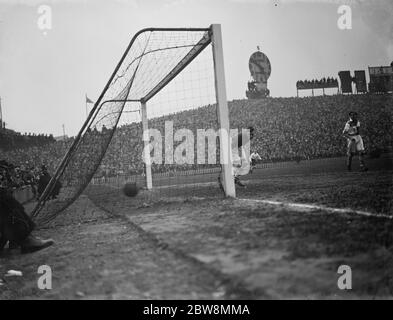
(130, 189)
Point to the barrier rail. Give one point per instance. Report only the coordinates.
(122, 178)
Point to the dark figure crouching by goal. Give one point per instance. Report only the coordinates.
(354, 141)
(241, 165)
(16, 226)
(44, 180)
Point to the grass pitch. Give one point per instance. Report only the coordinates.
(190, 242)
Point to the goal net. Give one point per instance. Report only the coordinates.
(156, 123)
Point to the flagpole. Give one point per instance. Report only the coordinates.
(86, 103)
(1, 116)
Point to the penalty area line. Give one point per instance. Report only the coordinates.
(310, 207)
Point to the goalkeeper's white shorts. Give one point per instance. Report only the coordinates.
(240, 164)
(355, 146)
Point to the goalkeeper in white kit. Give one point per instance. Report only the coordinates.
(354, 141)
(241, 163)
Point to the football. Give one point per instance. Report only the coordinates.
(130, 189)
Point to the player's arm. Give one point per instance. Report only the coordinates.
(345, 132)
(358, 128)
(257, 157)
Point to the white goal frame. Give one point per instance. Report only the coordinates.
(211, 35)
(214, 36)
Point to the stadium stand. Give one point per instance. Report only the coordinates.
(285, 129)
(10, 140)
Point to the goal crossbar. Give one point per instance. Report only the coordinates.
(189, 57)
(86, 154)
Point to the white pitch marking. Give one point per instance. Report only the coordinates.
(302, 206)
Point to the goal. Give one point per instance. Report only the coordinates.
(149, 124)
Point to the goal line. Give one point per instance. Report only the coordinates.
(303, 207)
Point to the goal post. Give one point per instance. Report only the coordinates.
(214, 36)
(222, 110)
(168, 75)
(146, 153)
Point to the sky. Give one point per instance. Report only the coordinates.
(45, 74)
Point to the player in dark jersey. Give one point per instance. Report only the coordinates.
(16, 226)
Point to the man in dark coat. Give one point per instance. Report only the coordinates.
(16, 226)
(45, 177)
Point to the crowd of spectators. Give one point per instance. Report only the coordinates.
(14, 177)
(311, 127)
(285, 129)
(317, 83)
(11, 140)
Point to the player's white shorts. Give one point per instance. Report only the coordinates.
(240, 164)
(358, 144)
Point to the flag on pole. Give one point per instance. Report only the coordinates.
(88, 100)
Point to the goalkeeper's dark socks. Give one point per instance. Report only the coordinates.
(363, 168)
(220, 184)
(239, 183)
